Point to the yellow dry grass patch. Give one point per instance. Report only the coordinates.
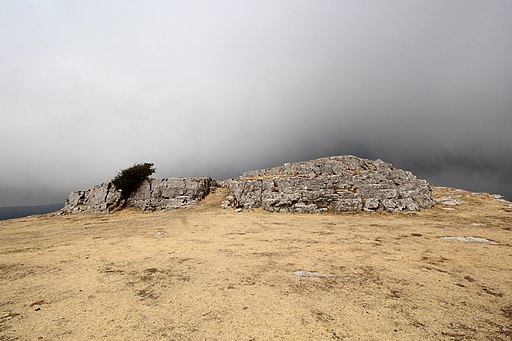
(205, 273)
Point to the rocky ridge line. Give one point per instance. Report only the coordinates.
(338, 183)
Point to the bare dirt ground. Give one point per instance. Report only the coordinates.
(205, 273)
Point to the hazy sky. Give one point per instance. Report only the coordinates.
(214, 88)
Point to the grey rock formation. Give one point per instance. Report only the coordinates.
(152, 194)
(339, 183)
(99, 199)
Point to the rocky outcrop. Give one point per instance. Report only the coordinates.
(99, 199)
(152, 194)
(339, 183)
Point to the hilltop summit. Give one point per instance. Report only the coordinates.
(338, 183)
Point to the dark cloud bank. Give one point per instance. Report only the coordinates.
(216, 88)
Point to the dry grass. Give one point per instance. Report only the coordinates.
(206, 273)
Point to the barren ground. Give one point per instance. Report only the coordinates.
(205, 273)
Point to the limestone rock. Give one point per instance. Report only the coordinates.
(152, 194)
(448, 201)
(99, 199)
(339, 183)
(171, 193)
(470, 239)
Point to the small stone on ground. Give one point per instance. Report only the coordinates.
(470, 240)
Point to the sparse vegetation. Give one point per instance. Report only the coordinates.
(129, 179)
(157, 262)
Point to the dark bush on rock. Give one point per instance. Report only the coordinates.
(129, 179)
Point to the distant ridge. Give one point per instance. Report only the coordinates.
(23, 211)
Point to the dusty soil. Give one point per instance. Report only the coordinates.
(205, 273)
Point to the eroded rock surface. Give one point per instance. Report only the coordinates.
(99, 199)
(339, 183)
(153, 194)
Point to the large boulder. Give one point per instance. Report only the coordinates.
(338, 183)
(171, 193)
(152, 194)
(99, 199)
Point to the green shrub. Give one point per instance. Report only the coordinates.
(129, 179)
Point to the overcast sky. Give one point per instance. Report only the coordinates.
(213, 88)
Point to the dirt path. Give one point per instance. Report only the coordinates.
(206, 273)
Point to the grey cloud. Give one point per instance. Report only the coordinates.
(219, 87)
